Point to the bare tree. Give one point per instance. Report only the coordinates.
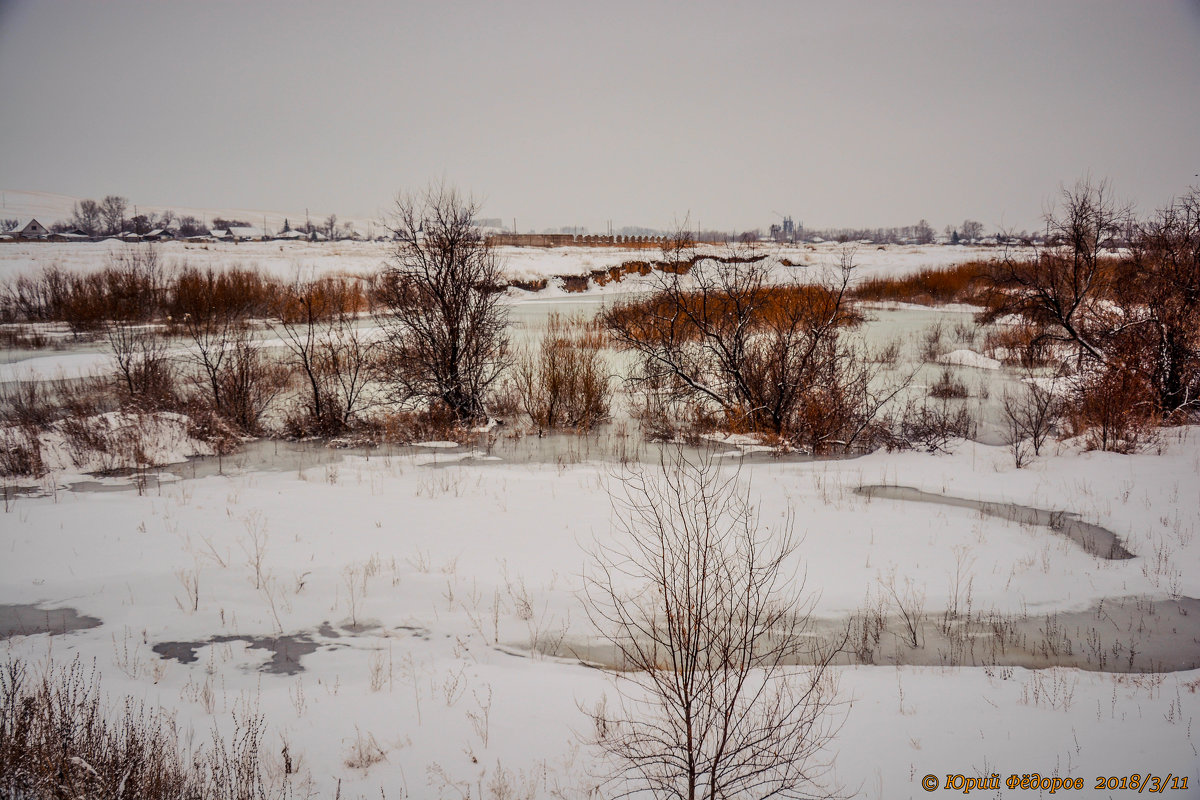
(923, 232)
(1061, 288)
(445, 325)
(112, 210)
(701, 608)
(1129, 317)
(972, 230)
(190, 226)
(87, 217)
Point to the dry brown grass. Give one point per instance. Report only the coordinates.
(566, 382)
(771, 307)
(59, 739)
(963, 283)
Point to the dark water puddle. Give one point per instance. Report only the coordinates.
(1094, 539)
(287, 651)
(26, 620)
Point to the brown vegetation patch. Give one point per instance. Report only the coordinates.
(963, 283)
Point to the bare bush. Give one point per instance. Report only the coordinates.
(948, 386)
(318, 322)
(932, 425)
(236, 379)
(249, 380)
(57, 739)
(721, 336)
(701, 607)
(1030, 414)
(566, 384)
(909, 601)
(144, 370)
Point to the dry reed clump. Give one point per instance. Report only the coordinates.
(962, 283)
(136, 286)
(565, 383)
(948, 386)
(21, 453)
(58, 739)
(404, 427)
(1017, 344)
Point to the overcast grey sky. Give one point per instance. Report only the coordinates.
(561, 113)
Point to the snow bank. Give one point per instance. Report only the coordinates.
(116, 440)
(969, 358)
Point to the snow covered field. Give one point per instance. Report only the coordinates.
(416, 593)
(285, 259)
(411, 619)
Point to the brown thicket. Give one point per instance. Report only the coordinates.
(135, 285)
(1128, 321)
(723, 338)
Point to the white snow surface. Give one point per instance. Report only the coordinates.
(459, 569)
(289, 258)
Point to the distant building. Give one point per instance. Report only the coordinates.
(785, 232)
(249, 233)
(73, 235)
(33, 230)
